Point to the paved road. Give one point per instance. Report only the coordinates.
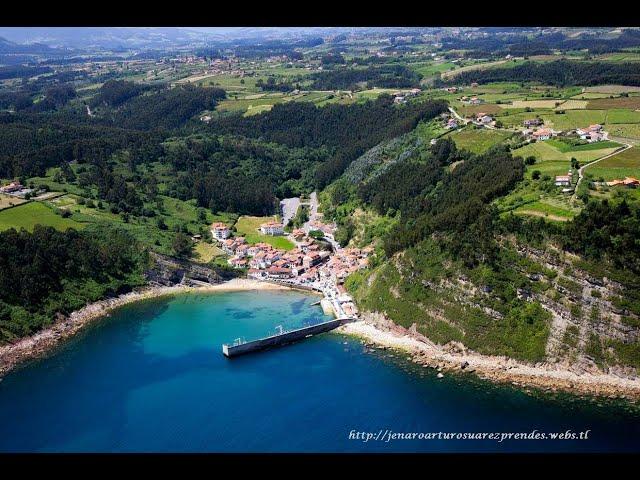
(581, 169)
(289, 207)
(313, 211)
(455, 114)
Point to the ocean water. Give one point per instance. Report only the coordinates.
(152, 378)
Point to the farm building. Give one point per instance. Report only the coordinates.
(542, 134)
(630, 182)
(563, 180)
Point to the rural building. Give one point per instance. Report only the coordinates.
(278, 272)
(238, 262)
(272, 228)
(563, 180)
(12, 187)
(220, 231)
(452, 123)
(534, 122)
(630, 182)
(542, 134)
(592, 133)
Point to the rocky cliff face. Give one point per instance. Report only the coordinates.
(169, 271)
(589, 331)
(579, 321)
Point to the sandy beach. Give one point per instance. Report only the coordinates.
(450, 358)
(42, 342)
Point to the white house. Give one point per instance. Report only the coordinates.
(542, 134)
(220, 231)
(563, 180)
(272, 228)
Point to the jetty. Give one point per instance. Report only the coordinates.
(240, 347)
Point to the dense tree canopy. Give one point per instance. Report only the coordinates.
(386, 76)
(48, 272)
(348, 130)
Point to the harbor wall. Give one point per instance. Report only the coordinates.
(277, 340)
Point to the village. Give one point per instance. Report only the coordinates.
(317, 262)
(534, 130)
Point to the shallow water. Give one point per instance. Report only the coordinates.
(152, 378)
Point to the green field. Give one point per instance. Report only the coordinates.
(175, 213)
(430, 69)
(34, 213)
(478, 140)
(247, 227)
(632, 103)
(625, 164)
(623, 116)
(204, 252)
(625, 130)
(544, 208)
(548, 151)
(511, 119)
(565, 147)
(574, 119)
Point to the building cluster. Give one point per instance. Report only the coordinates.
(535, 130)
(344, 262)
(401, 97)
(471, 100)
(326, 228)
(592, 133)
(307, 264)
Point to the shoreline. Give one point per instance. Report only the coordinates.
(39, 344)
(373, 329)
(450, 358)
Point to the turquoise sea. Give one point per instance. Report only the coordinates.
(152, 378)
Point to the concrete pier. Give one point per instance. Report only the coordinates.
(230, 351)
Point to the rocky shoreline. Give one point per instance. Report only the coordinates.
(454, 357)
(39, 344)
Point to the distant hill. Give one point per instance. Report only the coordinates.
(9, 47)
(104, 38)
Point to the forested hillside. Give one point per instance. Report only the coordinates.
(348, 130)
(561, 73)
(453, 268)
(47, 272)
